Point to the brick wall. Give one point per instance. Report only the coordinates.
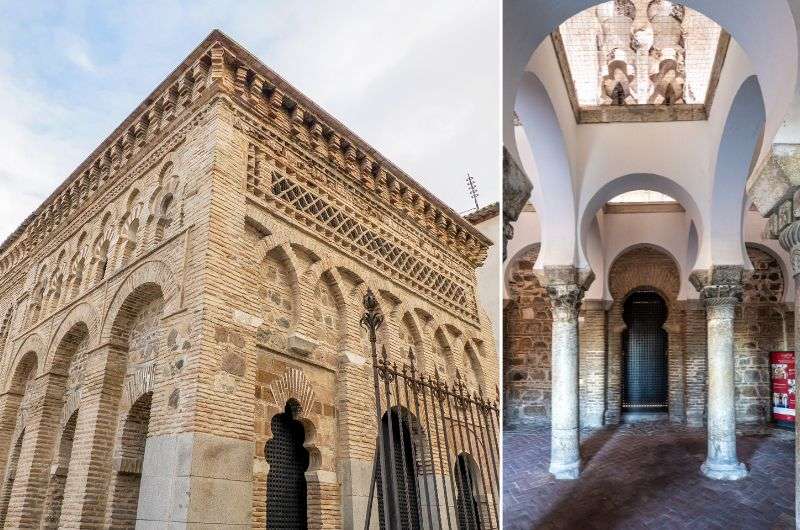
(527, 329)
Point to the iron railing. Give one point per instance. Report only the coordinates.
(436, 452)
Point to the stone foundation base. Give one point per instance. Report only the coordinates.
(724, 471)
(566, 471)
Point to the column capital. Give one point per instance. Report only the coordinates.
(789, 238)
(721, 285)
(566, 286)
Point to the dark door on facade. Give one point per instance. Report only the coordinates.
(466, 503)
(286, 482)
(402, 470)
(644, 366)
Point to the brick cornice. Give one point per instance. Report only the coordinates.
(219, 63)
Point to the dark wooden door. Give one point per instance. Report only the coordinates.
(645, 381)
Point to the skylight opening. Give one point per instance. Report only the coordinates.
(640, 53)
(642, 197)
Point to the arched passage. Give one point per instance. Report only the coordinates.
(10, 475)
(58, 475)
(130, 456)
(467, 507)
(18, 398)
(138, 334)
(288, 460)
(639, 269)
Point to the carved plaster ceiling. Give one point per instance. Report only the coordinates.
(652, 54)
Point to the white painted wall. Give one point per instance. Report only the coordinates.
(489, 272)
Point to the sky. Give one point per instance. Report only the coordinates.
(419, 81)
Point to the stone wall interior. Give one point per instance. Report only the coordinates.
(762, 323)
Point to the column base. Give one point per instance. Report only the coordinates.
(724, 471)
(565, 471)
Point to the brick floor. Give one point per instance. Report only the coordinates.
(647, 475)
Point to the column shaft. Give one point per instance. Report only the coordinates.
(565, 457)
(721, 290)
(721, 462)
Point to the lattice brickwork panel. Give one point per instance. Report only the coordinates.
(333, 222)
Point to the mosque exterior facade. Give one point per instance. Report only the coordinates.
(179, 322)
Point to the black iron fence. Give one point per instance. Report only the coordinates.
(437, 450)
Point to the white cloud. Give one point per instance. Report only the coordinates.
(76, 52)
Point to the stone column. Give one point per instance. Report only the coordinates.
(565, 286)
(721, 290)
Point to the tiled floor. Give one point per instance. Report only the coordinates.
(647, 475)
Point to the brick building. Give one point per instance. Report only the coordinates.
(179, 340)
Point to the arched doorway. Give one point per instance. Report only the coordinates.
(645, 388)
(288, 461)
(125, 496)
(466, 484)
(399, 462)
(58, 475)
(11, 473)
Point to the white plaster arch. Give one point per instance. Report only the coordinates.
(542, 152)
(736, 157)
(649, 181)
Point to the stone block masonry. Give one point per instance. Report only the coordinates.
(199, 276)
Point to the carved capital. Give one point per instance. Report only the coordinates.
(719, 287)
(565, 301)
(789, 239)
(566, 286)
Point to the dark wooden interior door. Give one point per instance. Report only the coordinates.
(645, 381)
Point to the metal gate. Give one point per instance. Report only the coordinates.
(428, 426)
(286, 483)
(645, 382)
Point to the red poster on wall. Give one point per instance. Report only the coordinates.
(783, 372)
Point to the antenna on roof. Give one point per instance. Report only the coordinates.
(473, 189)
